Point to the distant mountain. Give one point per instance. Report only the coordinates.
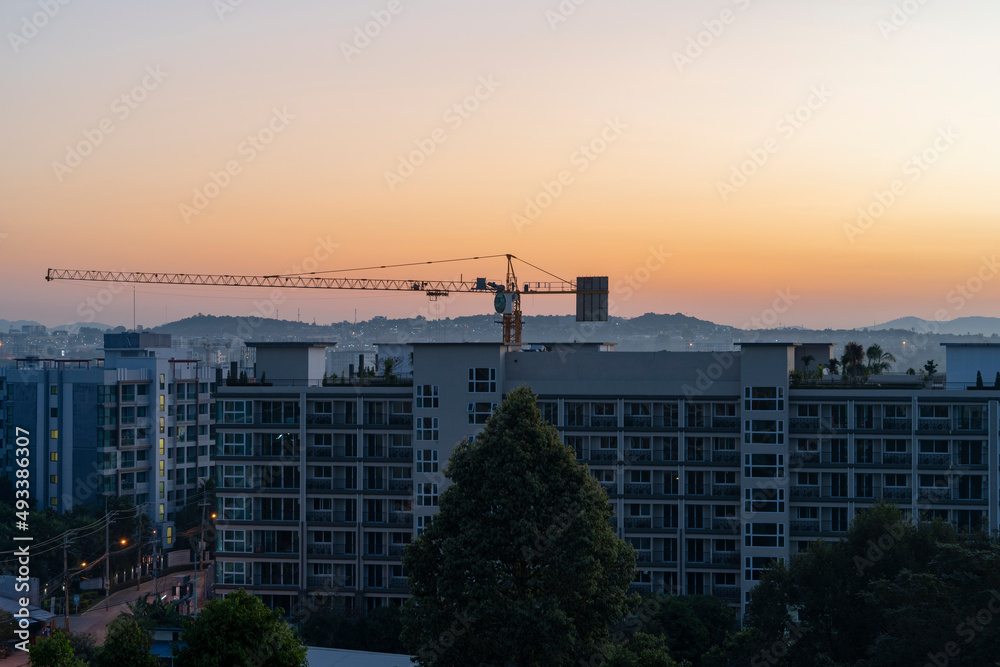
(962, 326)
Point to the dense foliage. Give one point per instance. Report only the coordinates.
(521, 565)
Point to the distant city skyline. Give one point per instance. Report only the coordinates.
(816, 165)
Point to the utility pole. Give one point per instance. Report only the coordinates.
(66, 580)
(107, 559)
(197, 558)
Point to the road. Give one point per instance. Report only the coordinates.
(95, 620)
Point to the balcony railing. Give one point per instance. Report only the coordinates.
(604, 455)
(725, 558)
(897, 424)
(604, 421)
(934, 424)
(934, 459)
(896, 458)
(638, 421)
(809, 424)
(726, 490)
(638, 455)
(805, 492)
(638, 489)
(805, 525)
(638, 522)
(897, 493)
(732, 525)
(401, 584)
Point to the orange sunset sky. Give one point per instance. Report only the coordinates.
(739, 137)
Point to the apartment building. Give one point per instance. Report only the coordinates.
(714, 463)
(137, 423)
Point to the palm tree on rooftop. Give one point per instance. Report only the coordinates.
(853, 362)
(878, 359)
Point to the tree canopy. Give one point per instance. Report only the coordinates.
(521, 565)
(890, 593)
(239, 631)
(127, 643)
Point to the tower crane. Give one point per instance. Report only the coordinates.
(591, 292)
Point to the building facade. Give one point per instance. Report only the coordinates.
(137, 423)
(714, 463)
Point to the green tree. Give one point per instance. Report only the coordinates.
(930, 369)
(690, 625)
(521, 565)
(6, 626)
(889, 593)
(878, 359)
(239, 631)
(84, 645)
(127, 643)
(852, 362)
(54, 651)
(807, 360)
(641, 650)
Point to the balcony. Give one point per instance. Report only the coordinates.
(726, 558)
(643, 556)
(726, 593)
(803, 458)
(604, 454)
(807, 526)
(326, 582)
(401, 453)
(897, 493)
(939, 424)
(896, 458)
(936, 459)
(638, 421)
(725, 423)
(400, 519)
(897, 424)
(401, 421)
(726, 490)
(804, 424)
(638, 489)
(604, 421)
(664, 559)
(732, 525)
(397, 550)
(332, 550)
(638, 522)
(400, 584)
(805, 492)
(725, 456)
(610, 488)
(639, 455)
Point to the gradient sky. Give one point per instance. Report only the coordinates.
(891, 86)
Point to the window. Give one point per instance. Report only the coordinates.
(234, 444)
(54, 390)
(234, 477)
(54, 413)
(838, 451)
(162, 467)
(764, 432)
(279, 412)
(53, 479)
(427, 460)
(480, 412)
(54, 434)
(865, 416)
(423, 522)
(969, 452)
(235, 509)
(482, 380)
(576, 414)
(54, 456)
(838, 485)
(549, 410)
(971, 487)
(807, 410)
(865, 451)
(163, 491)
(896, 446)
(427, 494)
(838, 520)
(894, 480)
(427, 396)
(237, 412)
(764, 500)
(53, 501)
(764, 535)
(863, 486)
(427, 428)
(233, 573)
(763, 398)
(755, 566)
(764, 465)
